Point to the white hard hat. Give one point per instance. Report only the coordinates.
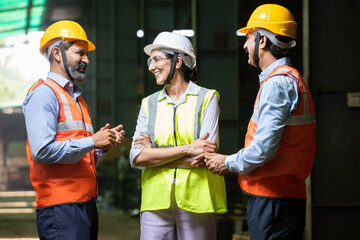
(172, 42)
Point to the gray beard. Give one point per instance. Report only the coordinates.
(76, 75)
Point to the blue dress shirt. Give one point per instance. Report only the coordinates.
(41, 110)
(278, 98)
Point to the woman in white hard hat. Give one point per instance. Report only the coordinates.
(176, 124)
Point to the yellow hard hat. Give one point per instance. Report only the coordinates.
(66, 30)
(274, 18)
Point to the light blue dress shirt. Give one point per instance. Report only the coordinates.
(209, 121)
(278, 98)
(41, 110)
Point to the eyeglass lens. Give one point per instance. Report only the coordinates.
(155, 60)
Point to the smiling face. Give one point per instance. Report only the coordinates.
(77, 57)
(159, 65)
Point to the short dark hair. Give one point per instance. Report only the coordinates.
(189, 75)
(280, 52)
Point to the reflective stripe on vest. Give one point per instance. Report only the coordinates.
(74, 125)
(153, 102)
(197, 189)
(283, 176)
(70, 124)
(296, 120)
(65, 183)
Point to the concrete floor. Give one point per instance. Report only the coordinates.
(112, 225)
(17, 219)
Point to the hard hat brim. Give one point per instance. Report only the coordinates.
(246, 30)
(148, 49)
(91, 46)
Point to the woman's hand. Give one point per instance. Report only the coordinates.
(200, 146)
(142, 141)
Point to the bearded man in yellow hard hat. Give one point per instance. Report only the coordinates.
(62, 148)
(280, 142)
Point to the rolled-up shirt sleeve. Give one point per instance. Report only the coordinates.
(141, 127)
(210, 120)
(277, 99)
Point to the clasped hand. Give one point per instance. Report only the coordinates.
(198, 147)
(213, 161)
(107, 138)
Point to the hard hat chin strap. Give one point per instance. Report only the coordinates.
(256, 50)
(66, 66)
(172, 69)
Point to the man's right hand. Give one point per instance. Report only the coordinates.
(105, 138)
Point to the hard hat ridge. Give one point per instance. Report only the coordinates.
(274, 18)
(171, 42)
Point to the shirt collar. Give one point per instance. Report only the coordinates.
(271, 67)
(73, 89)
(191, 90)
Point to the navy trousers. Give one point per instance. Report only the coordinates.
(270, 219)
(68, 221)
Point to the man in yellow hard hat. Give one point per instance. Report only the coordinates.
(62, 148)
(280, 143)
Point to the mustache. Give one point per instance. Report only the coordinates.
(81, 65)
(247, 51)
(77, 71)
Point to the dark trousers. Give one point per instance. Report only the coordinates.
(68, 221)
(270, 219)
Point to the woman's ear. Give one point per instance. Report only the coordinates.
(179, 62)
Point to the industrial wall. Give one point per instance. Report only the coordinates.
(335, 175)
(326, 54)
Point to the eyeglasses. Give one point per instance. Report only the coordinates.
(156, 60)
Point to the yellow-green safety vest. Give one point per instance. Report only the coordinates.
(197, 189)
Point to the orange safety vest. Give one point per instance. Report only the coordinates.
(284, 175)
(65, 183)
